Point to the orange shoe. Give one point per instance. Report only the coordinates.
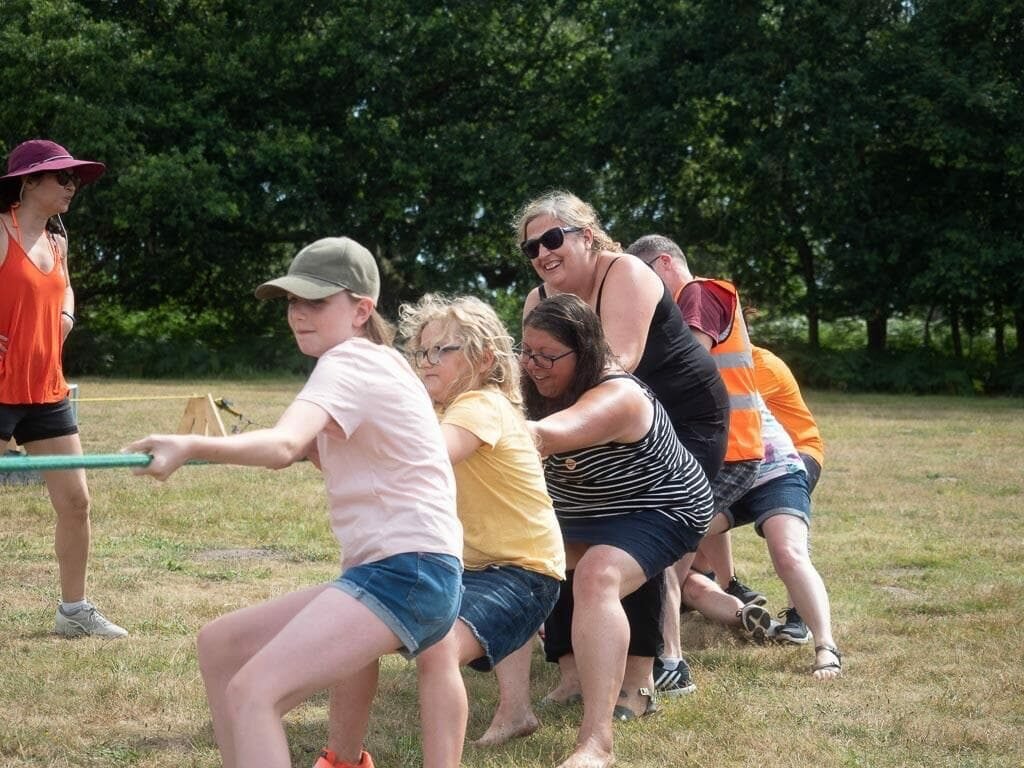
(329, 759)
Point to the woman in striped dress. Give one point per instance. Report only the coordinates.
(630, 499)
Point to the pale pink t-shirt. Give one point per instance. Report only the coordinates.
(389, 482)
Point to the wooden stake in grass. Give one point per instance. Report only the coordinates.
(201, 417)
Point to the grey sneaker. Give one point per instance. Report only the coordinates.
(87, 621)
(757, 622)
(792, 629)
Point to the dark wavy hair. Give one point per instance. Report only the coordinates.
(572, 322)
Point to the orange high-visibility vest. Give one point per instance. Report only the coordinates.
(736, 365)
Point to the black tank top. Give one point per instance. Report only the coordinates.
(685, 379)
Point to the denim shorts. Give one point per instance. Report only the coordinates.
(783, 495)
(504, 606)
(653, 539)
(416, 594)
(813, 471)
(28, 423)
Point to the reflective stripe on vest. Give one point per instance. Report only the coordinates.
(736, 365)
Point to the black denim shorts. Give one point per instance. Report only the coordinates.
(28, 423)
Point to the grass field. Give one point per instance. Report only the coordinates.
(918, 532)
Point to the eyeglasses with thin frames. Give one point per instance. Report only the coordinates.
(545, 362)
(551, 240)
(433, 355)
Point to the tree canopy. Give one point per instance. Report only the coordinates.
(856, 159)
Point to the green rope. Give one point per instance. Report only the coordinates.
(94, 461)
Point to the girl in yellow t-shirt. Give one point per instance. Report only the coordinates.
(514, 556)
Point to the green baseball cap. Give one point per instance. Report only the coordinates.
(324, 268)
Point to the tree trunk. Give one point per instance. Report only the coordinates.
(877, 330)
(927, 340)
(806, 256)
(954, 330)
(1018, 323)
(999, 329)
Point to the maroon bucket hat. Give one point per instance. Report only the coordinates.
(42, 155)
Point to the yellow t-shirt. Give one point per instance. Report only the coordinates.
(507, 515)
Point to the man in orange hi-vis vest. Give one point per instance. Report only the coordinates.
(711, 308)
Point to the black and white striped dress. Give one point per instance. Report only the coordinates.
(650, 498)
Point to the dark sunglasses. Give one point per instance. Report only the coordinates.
(66, 177)
(551, 240)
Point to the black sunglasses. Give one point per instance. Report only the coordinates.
(66, 177)
(551, 240)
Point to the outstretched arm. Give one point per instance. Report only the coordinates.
(277, 447)
(613, 411)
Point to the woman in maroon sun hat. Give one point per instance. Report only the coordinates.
(37, 312)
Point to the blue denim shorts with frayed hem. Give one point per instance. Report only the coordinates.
(28, 423)
(784, 495)
(504, 606)
(415, 594)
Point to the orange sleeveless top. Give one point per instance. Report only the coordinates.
(30, 303)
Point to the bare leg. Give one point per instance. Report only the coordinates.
(69, 495)
(674, 578)
(600, 637)
(514, 716)
(716, 551)
(707, 597)
(638, 673)
(444, 708)
(786, 536)
(568, 681)
(260, 662)
(670, 611)
(349, 709)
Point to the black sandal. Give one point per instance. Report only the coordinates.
(837, 664)
(624, 713)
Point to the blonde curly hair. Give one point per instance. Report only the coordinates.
(478, 329)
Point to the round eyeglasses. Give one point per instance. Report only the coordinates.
(433, 355)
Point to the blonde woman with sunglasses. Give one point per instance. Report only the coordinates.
(562, 238)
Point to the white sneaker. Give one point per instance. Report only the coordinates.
(87, 621)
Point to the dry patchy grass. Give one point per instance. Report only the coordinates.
(918, 532)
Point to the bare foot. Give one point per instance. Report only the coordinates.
(499, 733)
(589, 756)
(564, 694)
(828, 663)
